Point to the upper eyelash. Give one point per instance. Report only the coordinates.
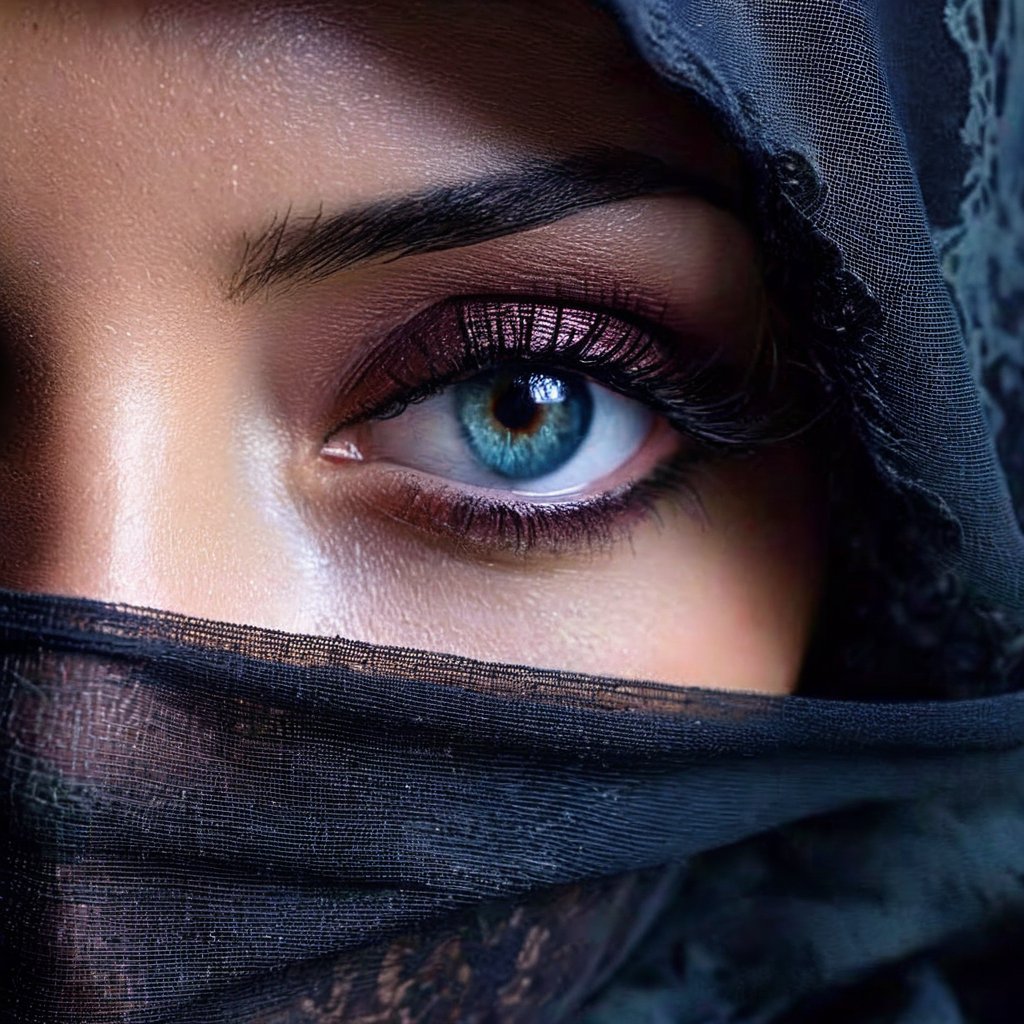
(719, 405)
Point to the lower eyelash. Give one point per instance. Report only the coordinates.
(475, 523)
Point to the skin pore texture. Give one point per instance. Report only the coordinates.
(163, 432)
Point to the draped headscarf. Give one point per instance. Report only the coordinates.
(218, 823)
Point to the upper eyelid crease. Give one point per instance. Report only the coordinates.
(292, 251)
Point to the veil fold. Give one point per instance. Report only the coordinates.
(200, 814)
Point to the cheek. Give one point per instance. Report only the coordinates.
(724, 601)
(736, 602)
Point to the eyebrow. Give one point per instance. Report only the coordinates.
(293, 251)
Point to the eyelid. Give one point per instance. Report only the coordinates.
(702, 395)
(457, 337)
(445, 342)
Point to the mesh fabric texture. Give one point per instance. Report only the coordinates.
(842, 107)
(203, 817)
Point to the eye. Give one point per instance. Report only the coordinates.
(507, 424)
(529, 431)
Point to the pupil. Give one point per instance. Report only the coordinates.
(519, 406)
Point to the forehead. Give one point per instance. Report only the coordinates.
(131, 125)
(205, 94)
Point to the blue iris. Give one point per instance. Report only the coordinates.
(522, 424)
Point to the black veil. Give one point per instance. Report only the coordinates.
(215, 823)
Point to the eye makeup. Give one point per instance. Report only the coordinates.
(705, 396)
(699, 408)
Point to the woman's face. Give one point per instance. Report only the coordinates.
(411, 323)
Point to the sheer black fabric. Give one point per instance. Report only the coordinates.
(211, 823)
(205, 816)
(860, 112)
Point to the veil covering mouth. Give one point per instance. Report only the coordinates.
(219, 823)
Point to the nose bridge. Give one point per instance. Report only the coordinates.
(80, 477)
(139, 464)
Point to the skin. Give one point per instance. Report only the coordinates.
(161, 438)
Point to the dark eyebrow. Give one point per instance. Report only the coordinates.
(448, 216)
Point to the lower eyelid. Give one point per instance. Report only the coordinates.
(485, 524)
(473, 524)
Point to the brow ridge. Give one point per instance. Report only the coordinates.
(293, 250)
